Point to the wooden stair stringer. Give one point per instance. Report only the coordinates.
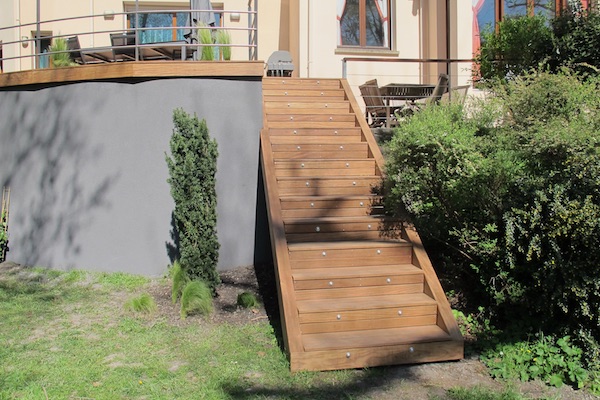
(303, 170)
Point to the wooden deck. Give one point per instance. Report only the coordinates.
(356, 288)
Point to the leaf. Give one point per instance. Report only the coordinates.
(555, 380)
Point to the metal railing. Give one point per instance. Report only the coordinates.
(16, 51)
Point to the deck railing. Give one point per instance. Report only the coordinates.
(19, 51)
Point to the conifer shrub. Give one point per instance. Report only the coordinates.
(192, 169)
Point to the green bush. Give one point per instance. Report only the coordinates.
(556, 362)
(577, 40)
(61, 56)
(519, 45)
(525, 43)
(507, 199)
(247, 300)
(192, 170)
(196, 297)
(143, 303)
(178, 281)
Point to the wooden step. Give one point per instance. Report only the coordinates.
(311, 124)
(373, 249)
(341, 228)
(397, 302)
(304, 140)
(303, 93)
(304, 83)
(325, 168)
(339, 150)
(302, 98)
(316, 132)
(380, 275)
(374, 338)
(330, 206)
(328, 186)
(297, 107)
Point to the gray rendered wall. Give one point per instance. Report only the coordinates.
(86, 166)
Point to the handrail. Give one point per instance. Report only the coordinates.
(17, 53)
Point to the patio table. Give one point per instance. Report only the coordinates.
(408, 92)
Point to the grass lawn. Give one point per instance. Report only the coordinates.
(67, 335)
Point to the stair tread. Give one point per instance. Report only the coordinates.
(350, 272)
(325, 178)
(374, 338)
(348, 244)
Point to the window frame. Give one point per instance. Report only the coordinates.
(362, 12)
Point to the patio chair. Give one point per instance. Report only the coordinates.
(280, 64)
(456, 94)
(375, 112)
(440, 88)
(81, 56)
(123, 45)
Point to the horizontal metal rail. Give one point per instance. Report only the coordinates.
(35, 27)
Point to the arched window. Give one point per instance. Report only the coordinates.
(363, 23)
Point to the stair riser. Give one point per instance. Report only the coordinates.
(333, 191)
(311, 124)
(307, 95)
(336, 111)
(367, 314)
(303, 98)
(325, 172)
(375, 356)
(340, 134)
(315, 203)
(379, 253)
(315, 140)
(358, 282)
(334, 118)
(350, 262)
(302, 154)
(334, 293)
(331, 212)
(339, 236)
(341, 148)
(376, 224)
(314, 107)
(343, 326)
(304, 83)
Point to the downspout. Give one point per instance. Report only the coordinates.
(92, 21)
(38, 42)
(448, 43)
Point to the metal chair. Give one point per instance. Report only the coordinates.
(280, 64)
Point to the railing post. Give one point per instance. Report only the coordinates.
(137, 26)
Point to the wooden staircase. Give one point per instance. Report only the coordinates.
(356, 289)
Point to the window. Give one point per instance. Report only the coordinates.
(158, 20)
(363, 23)
(487, 13)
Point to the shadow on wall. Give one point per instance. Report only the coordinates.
(41, 159)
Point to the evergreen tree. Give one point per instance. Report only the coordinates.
(192, 170)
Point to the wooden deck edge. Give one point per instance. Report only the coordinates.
(290, 323)
(129, 70)
(372, 357)
(421, 260)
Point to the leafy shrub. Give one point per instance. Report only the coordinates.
(178, 281)
(577, 40)
(196, 297)
(143, 303)
(192, 170)
(507, 199)
(556, 362)
(519, 45)
(247, 300)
